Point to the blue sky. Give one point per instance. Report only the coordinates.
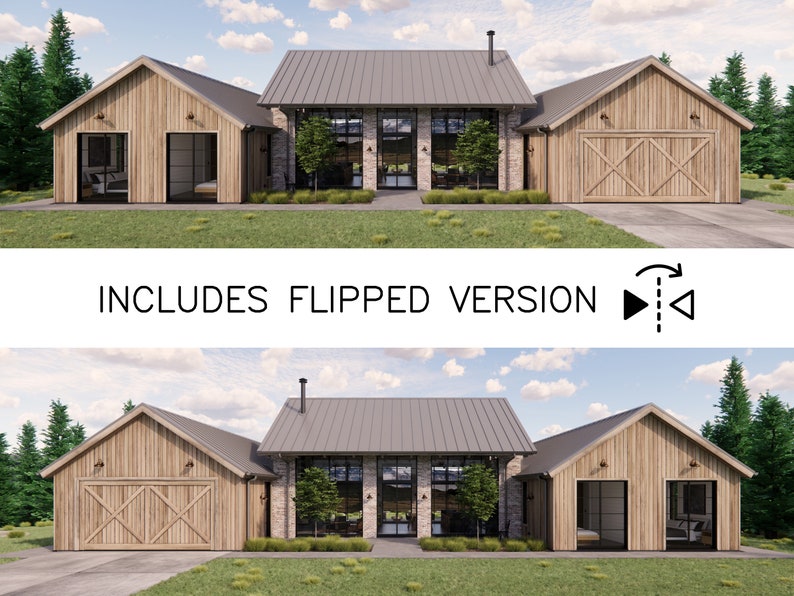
(552, 41)
(242, 390)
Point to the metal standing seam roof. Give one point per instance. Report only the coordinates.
(556, 452)
(557, 105)
(384, 78)
(238, 104)
(236, 452)
(397, 426)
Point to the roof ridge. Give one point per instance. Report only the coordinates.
(594, 422)
(198, 74)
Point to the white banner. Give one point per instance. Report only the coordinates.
(397, 298)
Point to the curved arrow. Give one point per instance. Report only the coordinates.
(677, 271)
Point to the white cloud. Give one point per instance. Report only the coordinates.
(5, 352)
(289, 23)
(462, 31)
(118, 67)
(465, 353)
(551, 429)
(494, 386)
(785, 53)
(597, 411)
(711, 373)
(8, 401)
(328, 4)
(45, 4)
(237, 11)
(544, 360)
(520, 11)
(255, 43)
(411, 32)
(12, 31)
(301, 38)
(271, 360)
(179, 360)
(342, 21)
(621, 11)
(332, 379)
(196, 63)
(370, 6)
(681, 417)
(242, 82)
(781, 379)
(382, 380)
(97, 413)
(452, 369)
(236, 402)
(544, 391)
(567, 55)
(82, 25)
(410, 353)
(504, 371)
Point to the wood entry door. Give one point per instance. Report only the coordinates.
(647, 166)
(137, 514)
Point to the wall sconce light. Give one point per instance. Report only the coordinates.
(263, 497)
(604, 116)
(604, 463)
(99, 116)
(369, 148)
(530, 497)
(694, 463)
(530, 149)
(190, 116)
(694, 116)
(424, 148)
(99, 463)
(369, 497)
(263, 149)
(424, 497)
(189, 463)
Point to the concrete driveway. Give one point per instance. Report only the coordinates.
(43, 572)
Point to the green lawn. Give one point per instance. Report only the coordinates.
(35, 538)
(759, 190)
(305, 229)
(486, 576)
(784, 545)
(9, 197)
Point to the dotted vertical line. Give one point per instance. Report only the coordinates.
(658, 305)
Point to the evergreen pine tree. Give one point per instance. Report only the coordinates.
(787, 135)
(128, 406)
(25, 149)
(733, 89)
(769, 502)
(29, 488)
(731, 426)
(59, 435)
(761, 153)
(666, 58)
(7, 503)
(78, 434)
(62, 81)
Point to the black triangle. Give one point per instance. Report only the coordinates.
(632, 304)
(689, 314)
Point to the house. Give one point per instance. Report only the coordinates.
(155, 480)
(396, 462)
(638, 480)
(157, 133)
(638, 132)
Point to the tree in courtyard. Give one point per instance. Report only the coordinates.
(7, 504)
(315, 146)
(128, 406)
(731, 427)
(477, 148)
(316, 496)
(665, 58)
(762, 153)
(787, 135)
(62, 80)
(30, 491)
(478, 493)
(25, 149)
(769, 502)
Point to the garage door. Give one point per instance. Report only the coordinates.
(140, 514)
(647, 166)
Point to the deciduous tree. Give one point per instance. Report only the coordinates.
(478, 493)
(477, 148)
(316, 496)
(315, 146)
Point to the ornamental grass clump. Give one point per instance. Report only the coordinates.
(258, 197)
(303, 197)
(785, 180)
(413, 587)
(16, 534)
(490, 545)
(433, 197)
(379, 239)
(538, 197)
(65, 235)
(456, 222)
(358, 570)
(200, 569)
(311, 580)
(455, 545)
(338, 197)
(7, 528)
(515, 546)
(776, 186)
(768, 177)
(337, 570)
(278, 198)
(349, 562)
(481, 233)
(535, 544)
(431, 544)
(358, 545)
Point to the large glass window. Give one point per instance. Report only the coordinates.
(447, 517)
(103, 172)
(346, 170)
(397, 148)
(601, 514)
(397, 496)
(444, 128)
(691, 508)
(192, 167)
(348, 473)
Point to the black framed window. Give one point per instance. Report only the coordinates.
(444, 128)
(347, 169)
(348, 472)
(691, 513)
(397, 496)
(192, 166)
(447, 517)
(102, 166)
(601, 516)
(397, 148)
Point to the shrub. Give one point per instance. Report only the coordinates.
(544, 563)
(240, 563)
(434, 222)
(365, 560)
(359, 570)
(768, 177)
(7, 528)
(730, 583)
(303, 197)
(517, 197)
(45, 523)
(258, 197)
(311, 580)
(785, 180)
(431, 544)
(433, 197)
(278, 198)
(277, 545)
(455, 545)
(358, 545)
(494, 197)
(750, 176)
(24, 525)
(444, 214)
(338, 197)
(536, 544)
(456, 222)
(300, 545)
(63, 236)
(538, 197)
(322, 196)
(464, 196)
(379, 239)
(249, 216)
(482, 233)
(515, 546)
(490, 545)
(599, 576)
(200, 569)
(413, 587)
(362, 196)
(337, 570)
(16, 534)
(776, 186)
(591, 567)
(241, 584)
(192, 229)
(201, 220)
(349, 562)
(255, 545)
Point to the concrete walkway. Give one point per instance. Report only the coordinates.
(751, 224)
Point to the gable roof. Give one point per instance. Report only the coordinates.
(236, 104)
(386, 78)
(397, 426)
(234, 452)
(559, 104)
(557, 452)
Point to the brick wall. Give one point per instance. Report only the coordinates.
(282, 149)
(511, 159)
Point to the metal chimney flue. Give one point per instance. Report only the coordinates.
(303, 394)
(490, 47)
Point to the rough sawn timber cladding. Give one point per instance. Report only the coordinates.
(144, 455)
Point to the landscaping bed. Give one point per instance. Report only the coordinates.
(302, 545)
(489, 545)
(468, 196)
(25, 536)
(309, 197)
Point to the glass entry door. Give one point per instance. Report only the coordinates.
(397, 148)
(601, 514)
(397, 496)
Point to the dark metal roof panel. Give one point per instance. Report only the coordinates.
(396, 425)
(307, 78)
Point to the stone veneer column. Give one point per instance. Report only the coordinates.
(370, 487)
(511, 498)
(424, 159)
(511, 159)
(282, 507)
(424, 513)
(370, 138)
(282, 149)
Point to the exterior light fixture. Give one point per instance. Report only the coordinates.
(530, 497)
(99, 116)
(530, 149)
(694, 116)
(369, 497)
(604, 463)
(694, 463)
(189, 463)
(99, 463)
(190, 116)
(424, 497)
(424, 148)
(604, 116)
(369, 148)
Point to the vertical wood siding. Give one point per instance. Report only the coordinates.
(646, 455)
(147, 107)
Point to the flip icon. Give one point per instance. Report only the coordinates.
(684, 304)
